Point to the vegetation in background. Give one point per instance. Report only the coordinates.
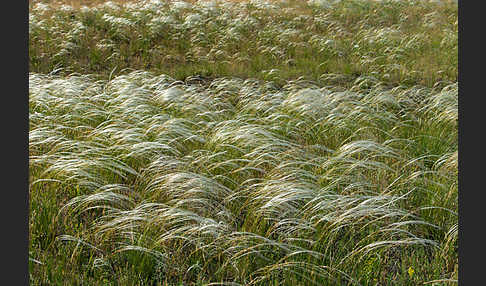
(396, 42)
(243, 143)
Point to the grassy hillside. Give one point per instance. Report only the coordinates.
(243, 143)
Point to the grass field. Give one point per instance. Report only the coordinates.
(243, 143)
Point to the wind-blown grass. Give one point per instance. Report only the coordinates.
(144, 179)
(243, 142)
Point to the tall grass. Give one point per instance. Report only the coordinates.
(243, 142)
(145, 179)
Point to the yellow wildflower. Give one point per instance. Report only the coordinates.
(410, 271)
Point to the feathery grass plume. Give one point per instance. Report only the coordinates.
(444, 105)
(113, 196)
(448, 162)
(190, 191)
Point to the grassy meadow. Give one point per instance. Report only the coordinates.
(243, 142)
